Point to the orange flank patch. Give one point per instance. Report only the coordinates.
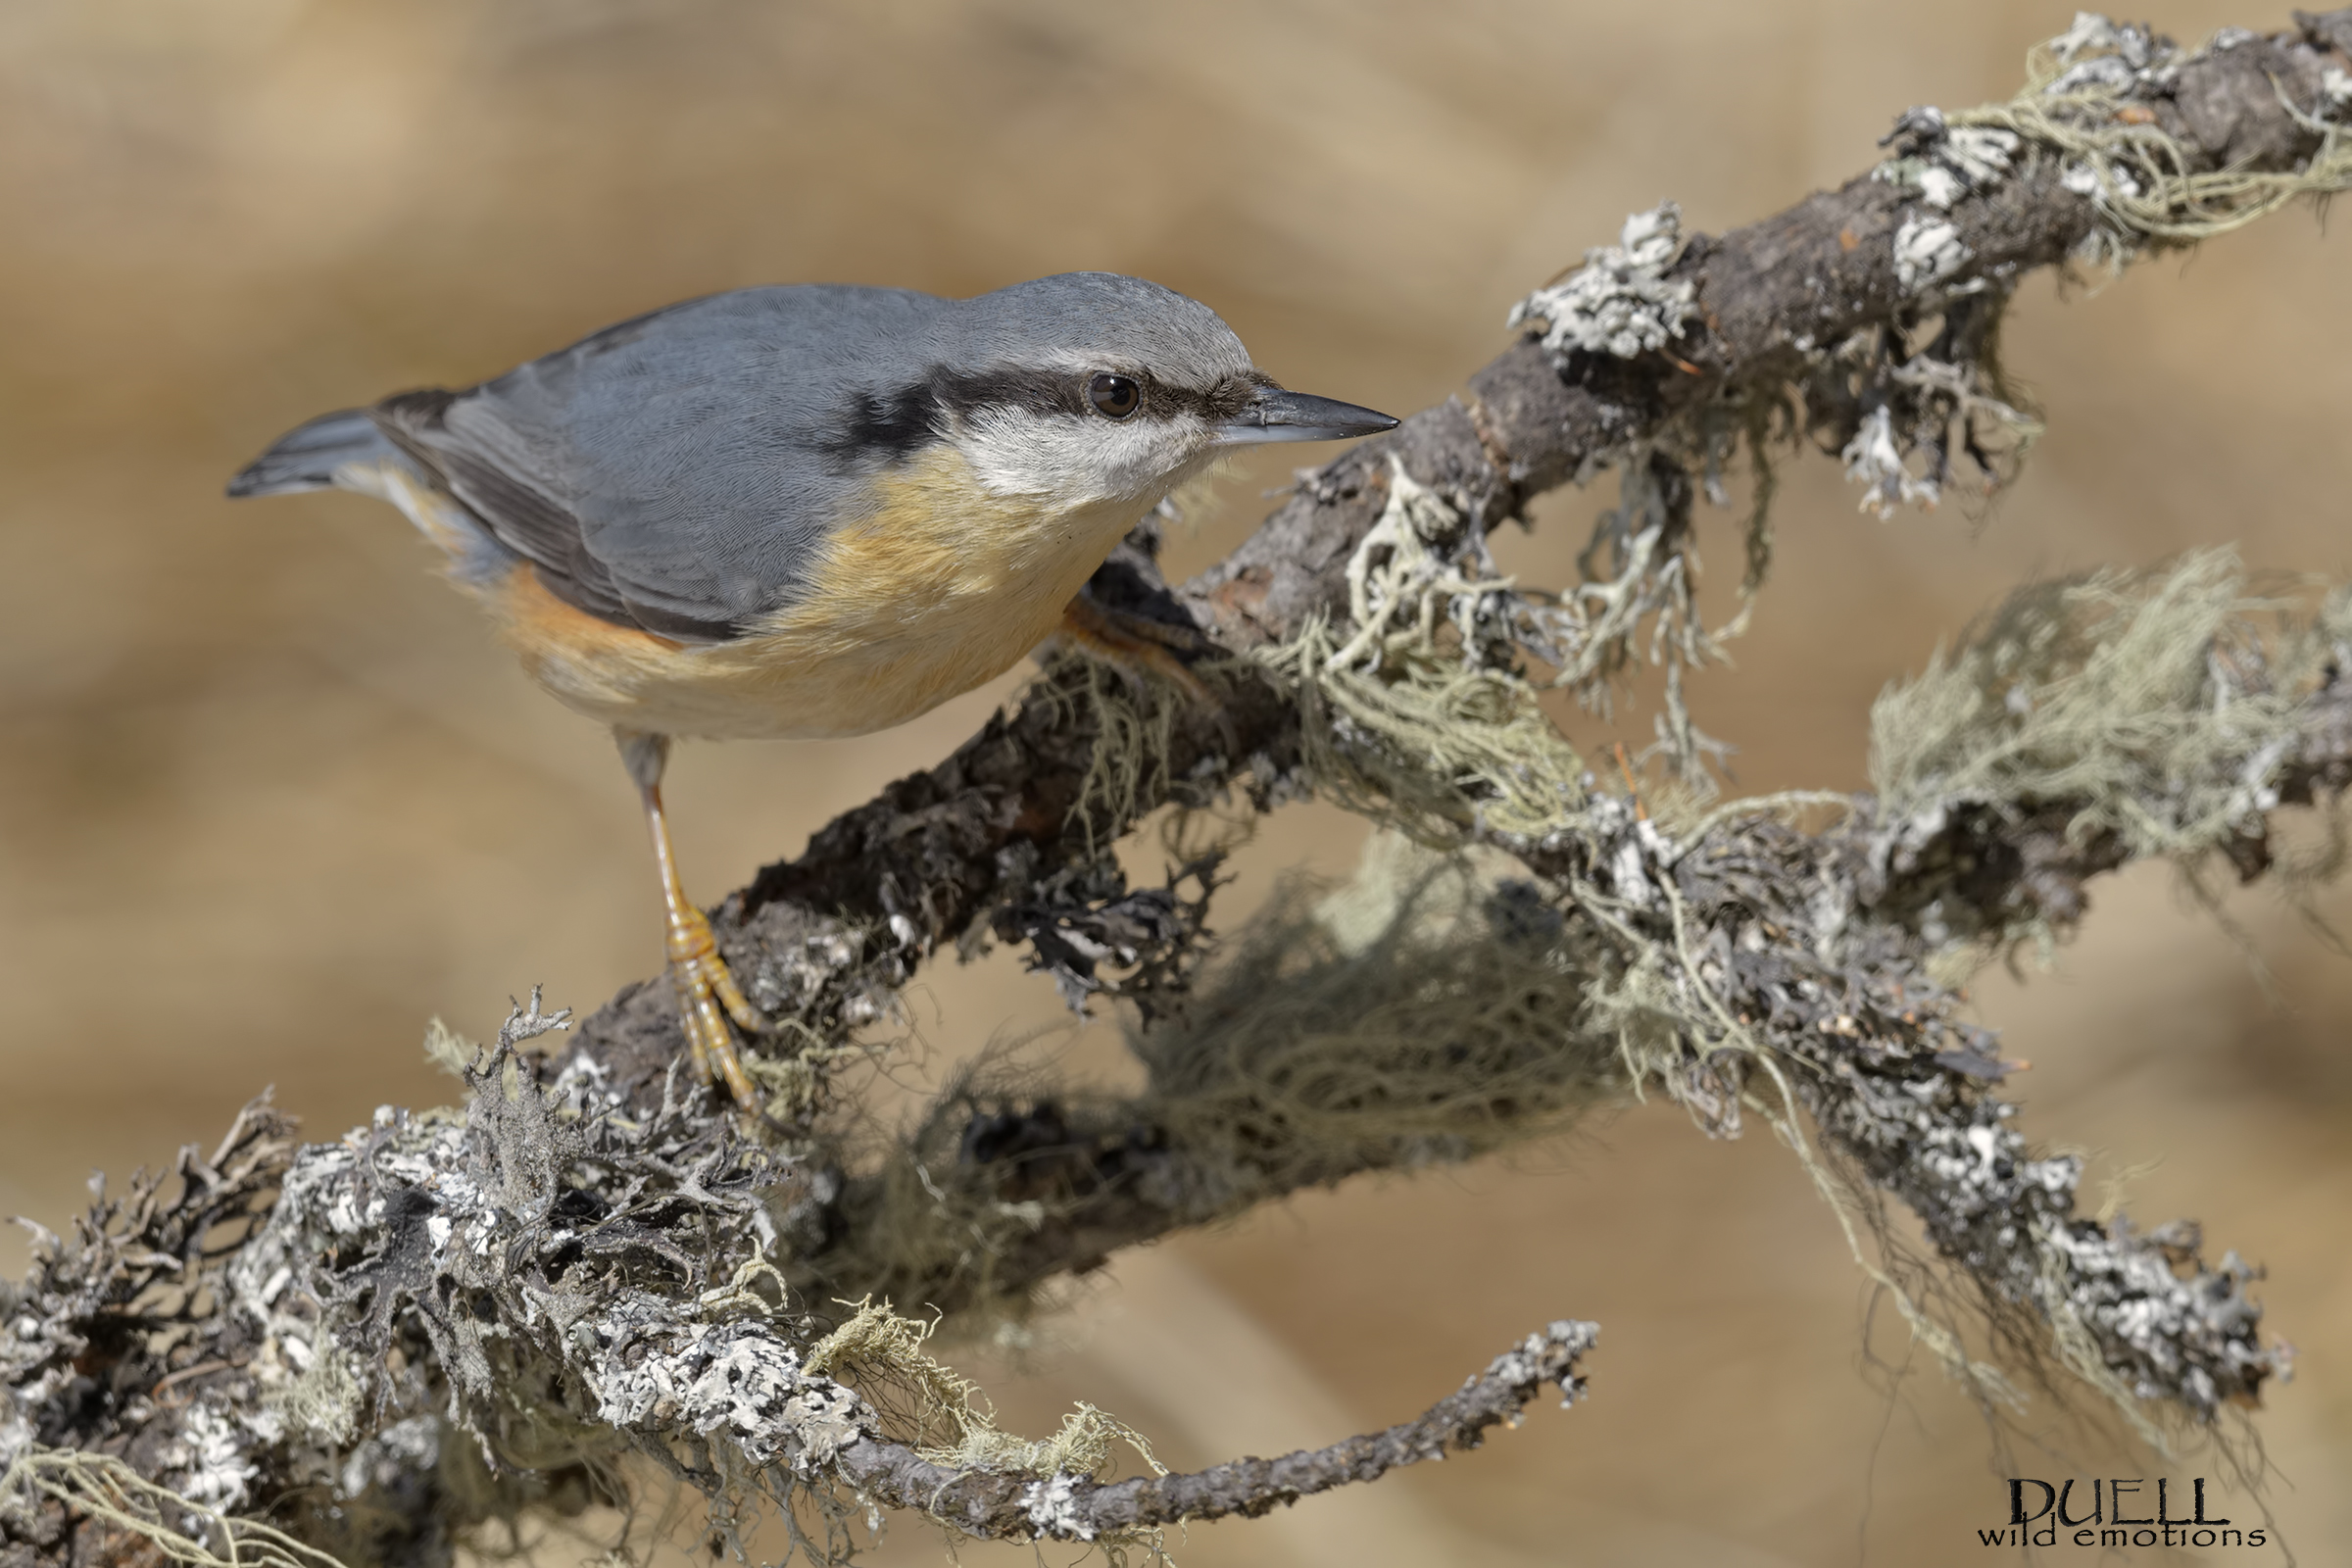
(550, 634)
(935, 588)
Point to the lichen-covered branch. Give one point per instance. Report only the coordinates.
(1066, 1508)
(1732, 962)
(564, 1287)
(449, 1317)
(1805, 322)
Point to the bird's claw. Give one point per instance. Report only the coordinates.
(708, 998)
(1139, 647)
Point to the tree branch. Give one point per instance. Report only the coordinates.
(1075, 1509)
(441, 1319)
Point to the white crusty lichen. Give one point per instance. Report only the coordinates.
(1946, 162)
(1052, 1506)
(1938, 406)
(1621, 301)
(1926, 250)
(1876, 463)
(1528, 1362)
(2100, 181)
(1980, 154)
(2097, 53)
(736, 1381)
(212, 1466)
(2098, 61)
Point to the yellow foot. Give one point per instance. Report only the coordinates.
(708, 997)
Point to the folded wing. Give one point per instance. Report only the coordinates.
(675, 472)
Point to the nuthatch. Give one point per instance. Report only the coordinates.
(808, 511)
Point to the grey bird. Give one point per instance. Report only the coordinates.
(806, 510)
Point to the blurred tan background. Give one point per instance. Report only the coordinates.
(271, 798)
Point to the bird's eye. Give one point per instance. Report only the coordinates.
(1114, 397)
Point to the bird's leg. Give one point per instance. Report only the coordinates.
(708, 995)
(1135, 645)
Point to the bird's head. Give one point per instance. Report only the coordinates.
(1089, 389)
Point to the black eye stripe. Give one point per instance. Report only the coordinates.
(894, 423)
(962, 394)
(893, 427)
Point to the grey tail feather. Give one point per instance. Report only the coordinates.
(307, 456)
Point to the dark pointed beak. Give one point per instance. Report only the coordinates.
(1279, 415)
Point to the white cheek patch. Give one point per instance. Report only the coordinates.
(1075, 461)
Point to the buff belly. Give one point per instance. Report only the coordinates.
(936, 590)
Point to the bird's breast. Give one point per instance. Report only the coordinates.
(928, 588)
